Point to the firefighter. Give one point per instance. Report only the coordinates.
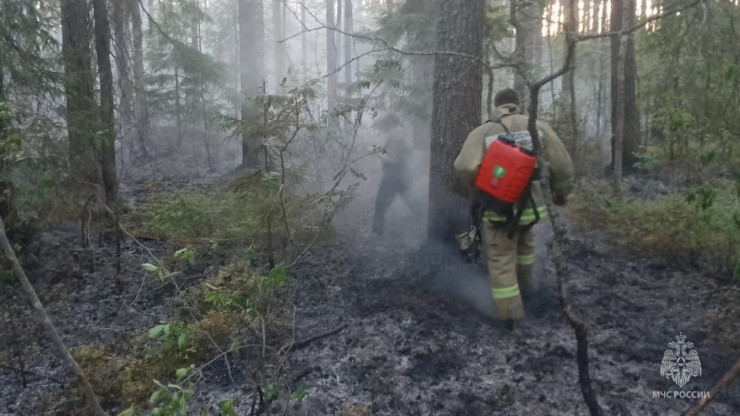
(396, 157)
(509, 248)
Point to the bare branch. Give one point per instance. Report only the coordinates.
(92, 398)
(716, 390)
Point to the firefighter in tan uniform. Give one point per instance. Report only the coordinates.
(510, 260)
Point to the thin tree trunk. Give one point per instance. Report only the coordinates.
(570, 9)
(304, 41)
(458, 83)
(558, 248)
(237, 78)
(348, 15)
(120, 36)
(204, 110)
(143, 125)
(177, 106)
(619, 101)
(523, 16)
(92, 399)
(338, 36)
(3, 123)
(331, 58)
(277, 34)
(595, 17)
(107, 120)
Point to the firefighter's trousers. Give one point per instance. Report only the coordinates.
(510, 262)
(391, 185)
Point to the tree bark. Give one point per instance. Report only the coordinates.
(278, 35)
(570, 10)
(331, 58)
(458, 83)
(107, 120)
(78, 89)
(178, 118)
(3, 123)
(120, 36)
(524, 16)
(348, 16)
(252, 51)
(631, 136)
(624, 84)
(618, 94)
(304, 41)
(92, 399)
(141, 108)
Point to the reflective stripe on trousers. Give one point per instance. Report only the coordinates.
(505, 292)
(525, 259)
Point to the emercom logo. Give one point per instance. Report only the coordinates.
(680, 363)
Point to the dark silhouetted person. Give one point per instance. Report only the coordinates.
(396, 171)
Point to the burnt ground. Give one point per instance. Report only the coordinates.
(426, 347)
(407, 345)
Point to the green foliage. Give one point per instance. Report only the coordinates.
(228, 407)
(175, 338)
(28, 44)
(279, 115)
(240, 288)
(298, 395)
(248, 211)
(272, 392)
(705, 222)
(690, 86)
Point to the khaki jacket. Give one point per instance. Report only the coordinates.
(471, 156)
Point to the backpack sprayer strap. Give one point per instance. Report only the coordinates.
(498, 121)
(514, 219)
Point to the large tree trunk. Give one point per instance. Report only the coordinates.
(78, 89)
(458, 83)
(624, 109)
(631, 136)
(252, 51)
(619, 95)
(141, 109)
(331, 58)
(107, 121)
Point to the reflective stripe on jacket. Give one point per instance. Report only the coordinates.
(474, 149)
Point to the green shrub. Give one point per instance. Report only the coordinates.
(705, 222)
(247, 212)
